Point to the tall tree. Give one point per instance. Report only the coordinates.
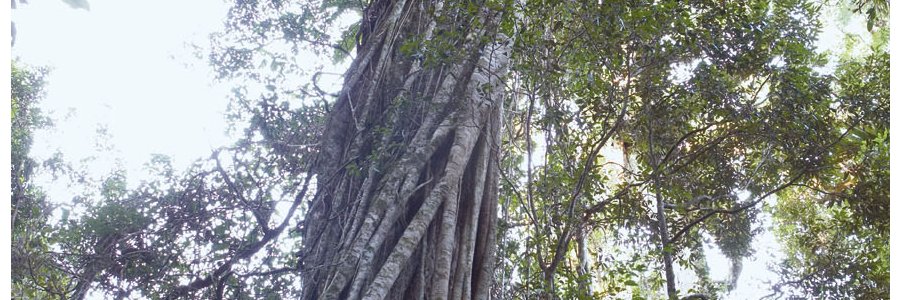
(405, 196)
(405, 205)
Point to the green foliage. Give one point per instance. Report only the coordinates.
(34, 272)
(876, 11)
(830, 256)
(835, 229)
(752, 116)
(347, 43)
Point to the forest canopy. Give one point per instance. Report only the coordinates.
(492, 149)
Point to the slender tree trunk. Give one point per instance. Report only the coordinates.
(584, 263)
(408, 165)
(664, 241)
(662, 225)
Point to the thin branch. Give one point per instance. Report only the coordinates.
(260, 219)
(590, 211)
(685, 137)
(252, 249)
(738, 209)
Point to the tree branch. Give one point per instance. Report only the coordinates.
(738, 209)
(252, 249)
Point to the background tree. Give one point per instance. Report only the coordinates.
(34, 271)
(748, 64)
(836, 228)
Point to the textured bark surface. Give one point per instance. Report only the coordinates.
(407, 175)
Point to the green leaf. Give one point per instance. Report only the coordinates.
(347, 43)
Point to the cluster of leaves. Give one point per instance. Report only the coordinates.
(835, 229)
(34, 274)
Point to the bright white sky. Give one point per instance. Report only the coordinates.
(126, 65)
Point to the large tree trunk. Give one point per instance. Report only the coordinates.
(407, 174)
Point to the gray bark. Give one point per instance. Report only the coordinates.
(407, 174)
(662, 224)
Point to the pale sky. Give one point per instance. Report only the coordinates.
(126, 65)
